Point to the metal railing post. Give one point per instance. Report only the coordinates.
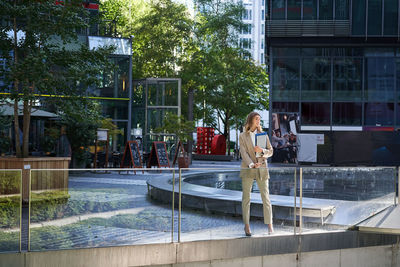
(29, 209)
(398, 187)
(20, 212)
(295, 201)
(301, 200)
(173, 206)
(180, 205)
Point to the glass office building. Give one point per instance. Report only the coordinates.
(336, 64)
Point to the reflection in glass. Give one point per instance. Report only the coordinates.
(163, 93)
(374, 17)
(380, 79)
(316, 79)
(347, 73)
(285, 106)
(379, 114)
(116, 109)
(315, 113)
(278, 9)
(358, 18)
(347, 113)
(325, 9)
(390, 17)
(310, 9)
(342, 9)
(294, 9)
(285, 79)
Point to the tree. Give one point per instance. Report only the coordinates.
(39, 43)
(160, 39)
(231, 83)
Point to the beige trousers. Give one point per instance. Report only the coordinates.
(247, 184)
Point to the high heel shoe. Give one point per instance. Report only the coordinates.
(247, 233)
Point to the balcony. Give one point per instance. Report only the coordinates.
(308, 28)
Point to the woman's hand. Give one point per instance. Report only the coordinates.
(258, 149)
(257, 165)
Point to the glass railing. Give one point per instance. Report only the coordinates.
(345, 196)
(83, 208)
(71, 208)
(10, 210)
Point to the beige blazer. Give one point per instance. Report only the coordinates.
(249, 156)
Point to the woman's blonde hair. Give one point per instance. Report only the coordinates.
(249, 122)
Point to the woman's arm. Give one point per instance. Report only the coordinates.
(244, 153)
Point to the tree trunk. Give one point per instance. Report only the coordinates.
(26, 124)
(16, 130)
(190, 118)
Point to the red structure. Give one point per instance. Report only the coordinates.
(205, 136)
(218, 145)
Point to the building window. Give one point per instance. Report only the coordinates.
(390, 17)
(374, 17)
(315, 113)
(247, 14)
(262, 43)
(278, 9)
(262, 15)
(325, 9)
(262, 3)
(378, 114)
(246, 29)
(310, 9)
(294, 9)
(379, 79)
(262, 58)
(347, 114)
(347, 79)
(358, 20)
(316, 78)
(262, 29)
(245, 43)
(285, 106)
(342, 9)
(285, 79)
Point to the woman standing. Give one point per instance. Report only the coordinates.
(254, 166)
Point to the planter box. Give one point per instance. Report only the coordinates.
(40, 180)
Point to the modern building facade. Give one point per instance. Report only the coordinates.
(336, 64)
(252, 36)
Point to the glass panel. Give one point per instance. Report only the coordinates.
(358, 23)
(278, 9)
(380, 79)
(347, 82)
(218, 214)
(378, 114)
(315, 52)
(341, 9)
(10, 210)
(138, 93)
(316, 79)
(310, 9)
(398, 80)
(356, 192)
(116, 109)
(286, 51)
(325, 9)
(294, 9)
(114, 83)
(163, 93)
(315, 113)
(347, 113)
(155, 117)
(390, 17)
(374, 17)
(348, 52)
(285, 106)
(285, 79)
(78, 209)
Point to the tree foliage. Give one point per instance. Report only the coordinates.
(39, 42)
